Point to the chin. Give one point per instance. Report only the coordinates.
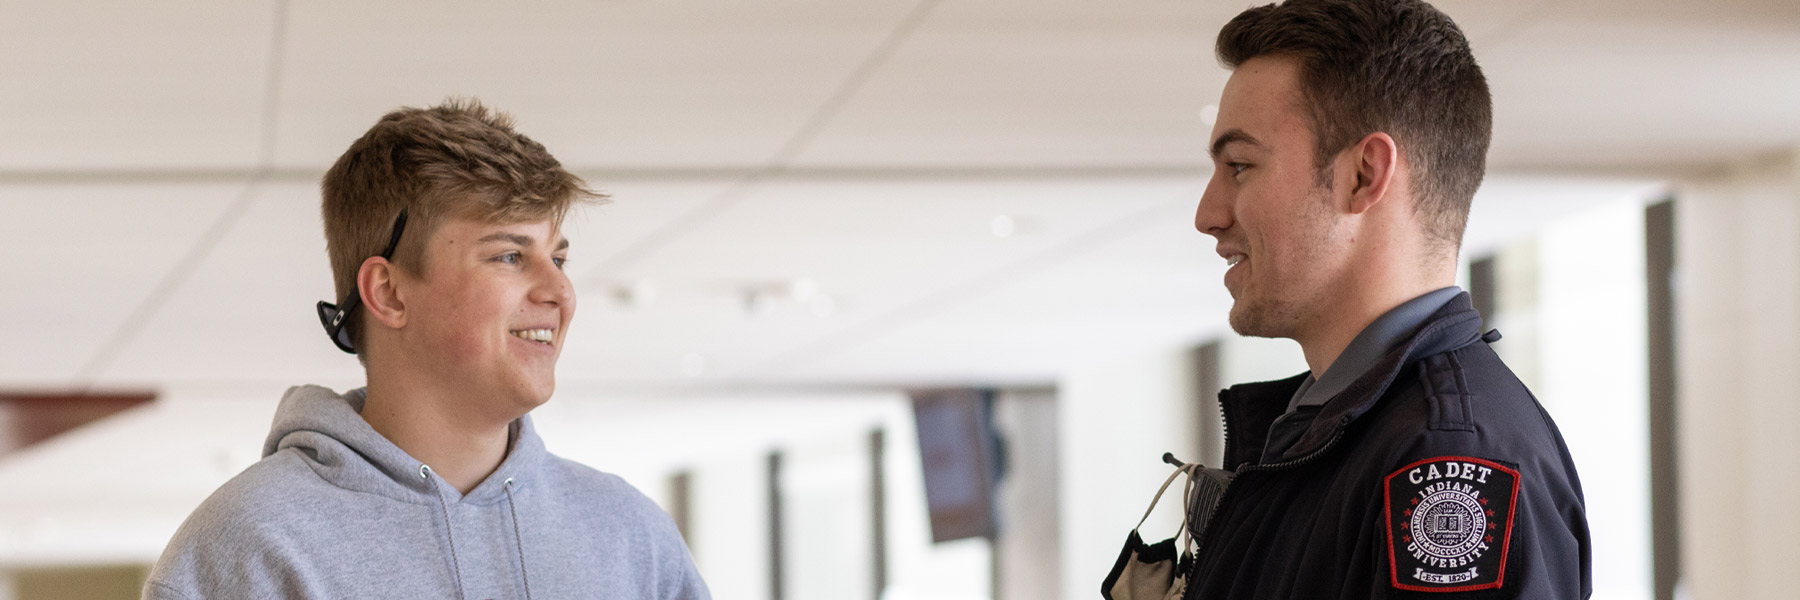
(532, 393)
(538, 395)
(1250, 318)
(1241, 322)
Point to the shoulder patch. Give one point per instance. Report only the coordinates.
(1449, 523)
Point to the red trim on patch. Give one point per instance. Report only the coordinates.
(1387, 504)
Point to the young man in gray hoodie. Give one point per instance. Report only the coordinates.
(443, 229)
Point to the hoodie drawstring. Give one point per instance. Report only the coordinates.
(425, 473)
(449, 530)
(518, 539)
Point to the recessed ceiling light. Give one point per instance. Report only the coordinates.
(635, 294)
(1003, 226)
(758, 302)
(803, 289)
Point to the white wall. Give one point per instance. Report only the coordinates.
(729, 518)
(1029, 549)
(1116, 419)
(1592, 378)
(1738, 347)
(1247, 360)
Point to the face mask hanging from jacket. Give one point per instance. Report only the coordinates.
(1158, 571)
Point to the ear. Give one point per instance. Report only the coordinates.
(1376, 158)
(380, 291)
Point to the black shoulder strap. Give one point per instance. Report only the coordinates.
(1447, 393)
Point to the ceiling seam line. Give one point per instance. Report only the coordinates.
(134, 324)
(89, 374)
(779, 161)
(975, 287)
(851, 85)
(272, 89)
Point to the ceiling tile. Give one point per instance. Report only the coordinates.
(81, 259)
(614, 84)
(1620, 91)
(1037, 83)
(877, 248)
(606, 236)
(246, 313)
(1152, 280)
(130, 85)
(250, 303)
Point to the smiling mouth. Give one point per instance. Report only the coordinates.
(541, 336)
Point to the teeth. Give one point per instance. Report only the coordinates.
(536, 335)
(1233, 260)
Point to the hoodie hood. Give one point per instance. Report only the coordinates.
(334, 440)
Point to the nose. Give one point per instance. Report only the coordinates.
(553, 286)
(1214, 213)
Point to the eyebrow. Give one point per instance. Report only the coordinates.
(1234, 136)
(521, 240)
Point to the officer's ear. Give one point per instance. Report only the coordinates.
(1372, 164)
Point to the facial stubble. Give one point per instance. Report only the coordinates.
(1289, 298)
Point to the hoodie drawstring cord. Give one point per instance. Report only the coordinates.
(425, 473)
(518, 539)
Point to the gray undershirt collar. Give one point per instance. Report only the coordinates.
(1388, 330)
(1363, 353)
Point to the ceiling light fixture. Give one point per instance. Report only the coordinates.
(1003, 226)
(803, 289)
(635, 294)
(758, 302)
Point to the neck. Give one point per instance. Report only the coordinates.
(1363, 296)
(436, 428)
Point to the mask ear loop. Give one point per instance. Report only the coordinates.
(1184, 468)
(1187, 496)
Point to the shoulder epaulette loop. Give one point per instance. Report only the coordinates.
(1447, 393)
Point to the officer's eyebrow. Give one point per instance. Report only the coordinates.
(1234, 136)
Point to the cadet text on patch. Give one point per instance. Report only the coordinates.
(1449, 523)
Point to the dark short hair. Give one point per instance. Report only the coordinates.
(1394, 66)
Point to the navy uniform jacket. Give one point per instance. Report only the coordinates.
(1435, 475)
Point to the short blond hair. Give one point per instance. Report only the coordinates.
(456, 159)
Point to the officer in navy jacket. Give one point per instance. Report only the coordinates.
(1408, 461)
(1435, 471)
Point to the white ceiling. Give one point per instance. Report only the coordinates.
(157, 168)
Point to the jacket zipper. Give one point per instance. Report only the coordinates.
(1193, 569)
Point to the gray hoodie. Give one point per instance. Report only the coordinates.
(335, 510)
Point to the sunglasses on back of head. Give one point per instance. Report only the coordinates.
(335, 319)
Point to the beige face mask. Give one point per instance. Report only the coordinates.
(1158, 571)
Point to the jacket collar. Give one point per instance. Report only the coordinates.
(1249, 409)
